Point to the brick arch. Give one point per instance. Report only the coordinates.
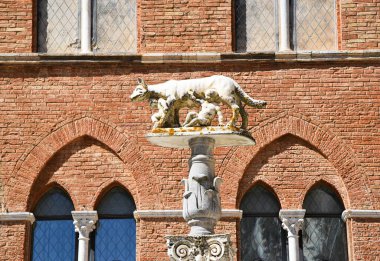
(340, 155)
(47, 188)
(325, 183)
(102, 191)
(24, 176)
(261, 182)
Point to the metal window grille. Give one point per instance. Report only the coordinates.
(261, 235)
(256, 25)
(53, 231)
(315, 25)
(114, 26)
(324, 233)
(115, 235)
(58, 26)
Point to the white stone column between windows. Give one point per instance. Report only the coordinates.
(284, 32)
(292, 222)
(84, 222)
(85, 26)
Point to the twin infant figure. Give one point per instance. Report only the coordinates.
(209, 109)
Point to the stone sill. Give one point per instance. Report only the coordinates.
(194, 58)
(17, 216)
(177, 213)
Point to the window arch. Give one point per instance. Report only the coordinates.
(261, 235)
(115, 235)
(53, 230)
(324, 233)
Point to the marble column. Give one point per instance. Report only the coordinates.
(201, 200)
(85, 26)
(284, 34)
(84, 222)
(292, 222)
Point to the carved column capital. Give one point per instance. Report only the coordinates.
(292, 220)
(200, 248)
(84, 222)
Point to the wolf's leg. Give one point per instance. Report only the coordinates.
(244, 117)
(231, 102)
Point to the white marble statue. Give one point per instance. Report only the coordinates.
(205, 116)
(173, 95)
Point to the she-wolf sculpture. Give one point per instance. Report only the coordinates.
(169, 97)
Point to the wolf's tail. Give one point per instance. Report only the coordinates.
(248, 100)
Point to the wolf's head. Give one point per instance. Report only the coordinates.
(141, 91)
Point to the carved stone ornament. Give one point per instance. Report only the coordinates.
(292, 225)
(200, 248)
(84, 222)
(207, 93)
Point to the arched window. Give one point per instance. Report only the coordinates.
(115, 235)
(261, 235)
(53, 231)
(324, 232)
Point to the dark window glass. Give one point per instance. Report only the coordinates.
(53, 230)
(261, 235)
(115, 235)
(324, 232)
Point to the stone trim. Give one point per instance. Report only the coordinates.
(17, 216)
(177, 213)
(292, 213)
(185, 58)
(360, 213)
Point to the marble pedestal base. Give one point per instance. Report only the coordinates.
(200, 248)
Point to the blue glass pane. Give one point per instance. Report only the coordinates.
(261, 239)
(115, 240)
(53, 240)
(54, 203)
(117, 202)
(258, 201)
(322, 200)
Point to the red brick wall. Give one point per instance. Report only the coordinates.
(16, 26)
(12, 241)
(329, 115)
(185, 26)
(360, 24)
(366, 234)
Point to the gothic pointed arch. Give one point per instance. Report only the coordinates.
(329, 146)
(27, 171)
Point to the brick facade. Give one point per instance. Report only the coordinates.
(71, 124)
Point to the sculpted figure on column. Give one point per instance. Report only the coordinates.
(169, 97)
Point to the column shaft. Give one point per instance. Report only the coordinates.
(85, 26)
(284, 34)
(292, 222)
(84, 222)
(201, 200)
